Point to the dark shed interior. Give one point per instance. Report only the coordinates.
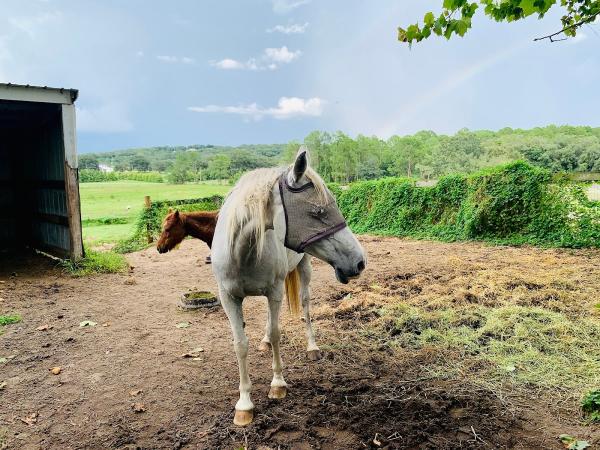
(33, 199)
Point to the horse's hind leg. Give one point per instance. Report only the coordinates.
(305, 269)
(278, 385)
(244, 408)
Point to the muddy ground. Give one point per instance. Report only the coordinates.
(123, 384)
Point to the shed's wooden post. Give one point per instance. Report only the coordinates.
(148, 204)
(72, 181)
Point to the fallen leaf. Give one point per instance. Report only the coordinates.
(183, 325)
(2, 385)
(30, 419)
(135, 393)
(106, 324)
(44, 327)
(55, 370)
(194, 353)
(138, 407)
(87, 323)
(572, 443)
(4, 359)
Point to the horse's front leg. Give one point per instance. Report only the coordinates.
(278, 385)
(305, 269)
(244, 408)
(265, 343)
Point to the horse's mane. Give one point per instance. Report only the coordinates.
(248, 203)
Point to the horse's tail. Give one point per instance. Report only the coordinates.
(292, 291)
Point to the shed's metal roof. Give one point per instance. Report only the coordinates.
(42, 94)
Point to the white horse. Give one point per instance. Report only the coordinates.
(270, 223)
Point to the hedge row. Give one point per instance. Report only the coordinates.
(95, 176)
(150, 219)
(512, 204)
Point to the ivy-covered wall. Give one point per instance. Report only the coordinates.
(513, 204)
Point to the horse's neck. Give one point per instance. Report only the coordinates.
(200, 227)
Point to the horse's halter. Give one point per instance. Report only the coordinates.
(307, 220)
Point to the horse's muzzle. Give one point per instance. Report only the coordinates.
(344, 276)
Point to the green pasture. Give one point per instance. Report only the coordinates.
(122, 201)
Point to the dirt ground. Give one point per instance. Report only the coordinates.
(124, 384)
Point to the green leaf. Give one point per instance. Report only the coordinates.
(3, 360)
(402, 34)
(87, 323)
(528, 7)
(183, 325)
(429, 19)
(572, 443)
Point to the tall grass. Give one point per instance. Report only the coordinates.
(96, 262)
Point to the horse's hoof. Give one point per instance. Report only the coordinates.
(277, 392)
(314, 355)
(264, 346)
(243, 418)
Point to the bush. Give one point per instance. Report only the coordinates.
(590, 406)
(150, 220)
(96, 176)
(96, 262)
(514, 204)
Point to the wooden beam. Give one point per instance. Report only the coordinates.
(52, 218)
(72, 182)
(38, 184)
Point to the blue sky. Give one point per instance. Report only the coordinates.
(268, 71)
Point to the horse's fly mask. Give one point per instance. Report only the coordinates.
(307, 219)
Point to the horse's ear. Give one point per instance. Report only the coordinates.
(301, 163)
(170, 211)
(177, 214)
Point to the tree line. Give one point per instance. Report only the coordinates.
(342, 158)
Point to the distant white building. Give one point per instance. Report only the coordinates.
(105, 168)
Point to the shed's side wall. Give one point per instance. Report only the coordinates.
(49, 224)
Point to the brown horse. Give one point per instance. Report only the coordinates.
(178, 225)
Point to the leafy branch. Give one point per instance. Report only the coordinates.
(456, 17)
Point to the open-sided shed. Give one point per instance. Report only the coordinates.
(39, 190)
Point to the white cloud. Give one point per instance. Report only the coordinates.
(294, 28)
(286, 6)
(228, 64)
(271, 59)
(287, 108)
(281, 55)
(139, 54)
(108, 118)
(175, 59)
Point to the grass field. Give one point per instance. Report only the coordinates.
(124, 200)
